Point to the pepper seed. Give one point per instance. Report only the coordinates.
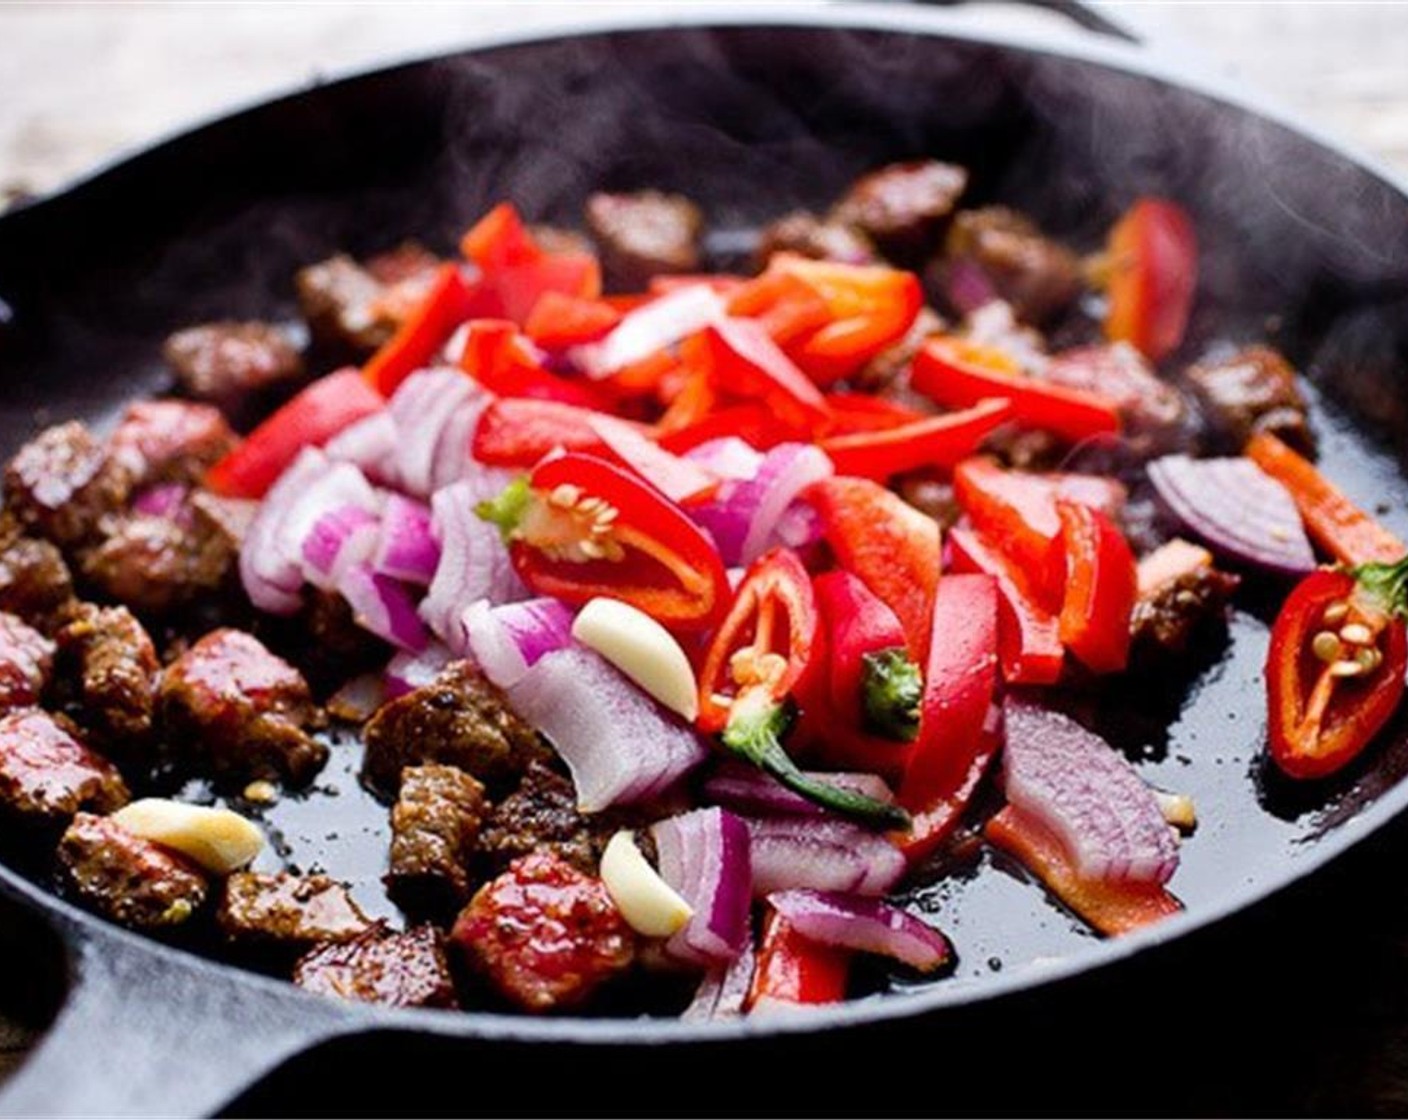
(1357, 634)
(1336, 613)
(1327, 646)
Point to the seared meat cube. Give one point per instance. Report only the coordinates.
(541, 815)
(1026, 449)
(35, 583)
(461, 719)
(292, 912)
(1179, 593)
(57, 484)
(168, 441)
(555, 239)
(338, 298)
(1151, 411)
(544, 935)
(1036, 275)
(930, 495)
(1253, 391)
(822, 239)
(26, 660)
(225, 362)
(410, 260)
(644, 234)
(901, 207)
(128, 879)
(397, 969)
(337, 646)
(995, 324)
(434, 826)
(115, 665)
(47, 775)
(227, 518)
(240, 711)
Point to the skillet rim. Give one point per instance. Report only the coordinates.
(78, 927)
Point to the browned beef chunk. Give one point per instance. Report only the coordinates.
(226, 362)
(127, 879)
(644, 234)
(541, 815)
(434, 826)
(168, 441)
(26, 661)
(229, 518)
(929, 494)
(1152, 412)
(410, 260)
(47, 775)
(339, 300)
(1180, 593)
(57, 486)
(291, 912)
(461, 719)
(995, 324)
(110, 658)
(1026, 449)
(35, 583)
(555, 239)
(1254, 390)
(398, 969)
(888, 372)
(902, 207)
(239, 711)
(1037, 276)
(543, 934)
(337, 646)
(822, 239)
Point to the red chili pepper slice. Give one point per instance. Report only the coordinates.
(935, 823)
(934, 441)
(1153, 261)
(959, 374)
(860, 412)
(448, 302)
(579, 528)
(792, 969)
(746, 363)
(310, 419)
(1335, 667)
(784, 304)
(499, 357)
(559, 320)
(1101, 587)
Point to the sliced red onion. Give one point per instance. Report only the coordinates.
(474, 564)
(866, 925)
(619, 745)
(660, 323)
(821, 853)
(273, 578)
(406, 672)
(383, 606)
(422, 408)
(506, 641)
(1087, 794)
(724, 989)
(406, 547)
(358, 699)
(799, 527)
(1238, 509)
(341, 536)
(966, 286)
(165, 499)
(370, 444)
(454, 458)
(743, 516)
(704, 855)
(728, 457)
(741, 786)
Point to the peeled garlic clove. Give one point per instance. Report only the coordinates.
(642, 649)
(1178, 809)
(649, 904)
(219, 840)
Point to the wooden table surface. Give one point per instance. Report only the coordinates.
(80, 82)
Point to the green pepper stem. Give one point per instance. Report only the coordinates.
(891, 690)
(507, 510)
(754, 732)
(1387, 583)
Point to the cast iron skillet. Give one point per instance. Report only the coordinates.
(752, 118)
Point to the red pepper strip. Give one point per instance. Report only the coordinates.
(1028, 637)
(1101, 587)
(680, 480)
(1111, 908)
(1018, 511)
(310, 419)
(934, 441)
(751, 422)
(890, 545)
(518, 432)
(1153, 259)
(745, 362)
(1318, 720)
(515, 270)
(448, 303)
(786, 306)
(960, 685)
(579, 528)
(792, 970)
(558, 320)
(935, 823)
(959, 374)
(498, 356)
(861, 412)
(871, 307)
(693, 401)
(1335, 523)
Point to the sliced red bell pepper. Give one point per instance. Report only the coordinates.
(693, 401)
(1334, 522)
(680, 480)
(558, 320)
(890, 545)
(1153, 269)
(1028, 636)
(448, 302)
(959, 374)
(793, 971)
(1101, 587)
(751, 422)
(784, 304)
(310, 419)
(1017, 512)
(936, 821)
(1112, 908)
(515, 271)
(871, 307)
(1335, 667)
(499, 357)
(934, 441)
(518, 432)
(852, 413)
(767, 657)
(960, 686)
(745, 362)
(579, 527)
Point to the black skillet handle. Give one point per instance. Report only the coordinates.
(148, 1031)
